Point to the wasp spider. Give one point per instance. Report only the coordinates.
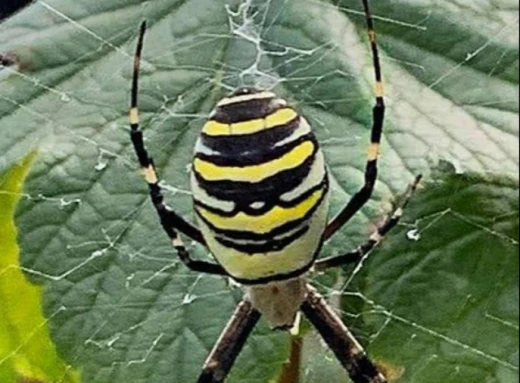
(260, 193)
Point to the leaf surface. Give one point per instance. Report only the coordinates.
(26, 351)
(119, 303)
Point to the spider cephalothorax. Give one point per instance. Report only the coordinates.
(260, 192)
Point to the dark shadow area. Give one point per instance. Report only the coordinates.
(8, 7)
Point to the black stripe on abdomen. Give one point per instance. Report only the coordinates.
(277, 231)
(250, 142)
(246, 110)
(266, 246)
(268, 204)
(256, 156)
(246, 193)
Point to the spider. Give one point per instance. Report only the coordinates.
(260, 193)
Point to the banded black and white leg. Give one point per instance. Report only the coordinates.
(388, 224)
(346, 348)
(170, 221)
(340, 340)
(363, 195)
(230, 344)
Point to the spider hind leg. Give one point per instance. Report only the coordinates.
(340, 340)
(230, 344)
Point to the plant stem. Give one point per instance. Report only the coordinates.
(291, 370)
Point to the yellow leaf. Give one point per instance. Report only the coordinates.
(26, 350)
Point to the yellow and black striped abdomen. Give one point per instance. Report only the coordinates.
(260, 188)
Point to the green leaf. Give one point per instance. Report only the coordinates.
(25, 348)
(439, 300)
(120, 305)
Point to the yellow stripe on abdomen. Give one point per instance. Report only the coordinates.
(251, 267)
(265, 223)
(255, 173)
(278, 118)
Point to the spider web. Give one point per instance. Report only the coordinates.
(313, 53)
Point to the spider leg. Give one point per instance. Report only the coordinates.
(376, 238)
(340, 340)
(170, 220)
(230, 343)
(363, 195)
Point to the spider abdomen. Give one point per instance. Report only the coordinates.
(260, 188)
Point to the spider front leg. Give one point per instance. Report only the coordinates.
(230, 343)
(170, 221)
(340, 340)
(363, 195)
